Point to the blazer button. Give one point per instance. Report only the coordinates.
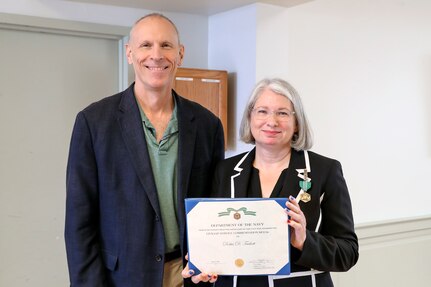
(158, 258)
(157, 218)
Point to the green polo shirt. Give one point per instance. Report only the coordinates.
(164, 156)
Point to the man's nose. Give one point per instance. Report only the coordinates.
(156, 53)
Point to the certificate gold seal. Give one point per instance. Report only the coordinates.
(239, 262)
(237, 215)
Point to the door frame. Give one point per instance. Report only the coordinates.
(74, 28)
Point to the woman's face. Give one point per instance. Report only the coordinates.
(272, 121)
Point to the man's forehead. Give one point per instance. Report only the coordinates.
(154, 22)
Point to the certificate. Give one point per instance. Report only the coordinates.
(242, 236)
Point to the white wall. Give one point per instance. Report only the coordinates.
(272, 41)
(232, 47)
(363, 69)
(193, 28)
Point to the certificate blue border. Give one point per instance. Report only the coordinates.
(190, 203)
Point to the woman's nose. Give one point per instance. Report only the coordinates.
(272, 119)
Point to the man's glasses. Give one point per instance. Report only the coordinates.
(282, 115)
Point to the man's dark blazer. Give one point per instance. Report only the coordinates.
(113, 231)
(331, 243)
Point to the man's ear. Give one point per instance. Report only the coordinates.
(181, 55)
(128, 54)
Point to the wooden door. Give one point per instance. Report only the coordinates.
(206, 87)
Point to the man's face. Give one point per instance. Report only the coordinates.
(155, 53)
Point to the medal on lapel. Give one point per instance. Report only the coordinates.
(305, 185)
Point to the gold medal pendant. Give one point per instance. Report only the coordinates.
(305, 185)
(305, 197)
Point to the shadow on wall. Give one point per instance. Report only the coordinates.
(232, 102)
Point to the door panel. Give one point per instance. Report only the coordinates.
(45, 79)
(206, 87)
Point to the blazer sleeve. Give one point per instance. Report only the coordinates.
(81, 231)
(334, 247)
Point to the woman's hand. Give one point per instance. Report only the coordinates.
(202, 277)
(297, 222)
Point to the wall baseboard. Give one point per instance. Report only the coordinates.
(393, 231)
(391, 253)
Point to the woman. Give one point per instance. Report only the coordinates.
(319, 208)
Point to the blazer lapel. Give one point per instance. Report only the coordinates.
(239, 180)
(186, 146)
(291, 186)
(130, 123)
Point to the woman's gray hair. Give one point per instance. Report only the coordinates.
(303, 138)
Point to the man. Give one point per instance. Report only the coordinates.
(133, 159)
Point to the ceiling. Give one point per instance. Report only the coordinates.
(200, 7)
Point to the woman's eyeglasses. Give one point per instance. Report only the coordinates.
(282, 115)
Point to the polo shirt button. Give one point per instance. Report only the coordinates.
(158, 258)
